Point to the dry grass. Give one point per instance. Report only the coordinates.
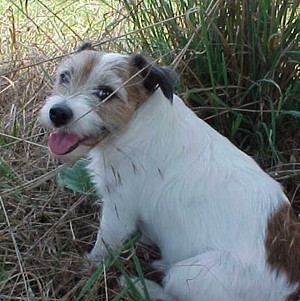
(44, 229)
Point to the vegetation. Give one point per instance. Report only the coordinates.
(238, 63)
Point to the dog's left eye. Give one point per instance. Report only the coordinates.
(64, 78)
(103, 92)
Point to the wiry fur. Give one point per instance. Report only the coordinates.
(189, 190)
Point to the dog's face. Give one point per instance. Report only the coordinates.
(95, 95)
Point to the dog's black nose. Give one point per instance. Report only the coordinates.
(60, 115)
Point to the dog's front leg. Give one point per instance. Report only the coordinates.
(115, 226)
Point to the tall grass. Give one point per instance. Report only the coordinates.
(238, 63)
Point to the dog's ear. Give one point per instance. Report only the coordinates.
(85, 46)
(155, 75)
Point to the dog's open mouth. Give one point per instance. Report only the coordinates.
(62, 142)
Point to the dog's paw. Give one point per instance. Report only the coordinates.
(160, 265)
(91, 262)
(152, 289)
(137, 284)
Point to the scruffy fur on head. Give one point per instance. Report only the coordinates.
(225, 229)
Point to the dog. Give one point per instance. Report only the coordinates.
(225, 229)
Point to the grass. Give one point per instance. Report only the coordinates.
(238, 63)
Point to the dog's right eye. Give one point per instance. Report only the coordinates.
(103, 92)
(64, 78)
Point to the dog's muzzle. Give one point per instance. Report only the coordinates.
(63, 140)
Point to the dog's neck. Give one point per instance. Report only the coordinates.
(135, 150)
(144, 146)
(155, 113)
(152, 119)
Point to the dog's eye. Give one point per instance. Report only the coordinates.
(64, 78)
(103, 92)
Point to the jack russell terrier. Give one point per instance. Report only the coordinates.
(225, 229)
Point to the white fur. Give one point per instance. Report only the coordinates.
(194, 194)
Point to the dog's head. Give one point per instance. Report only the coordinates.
(95, 95)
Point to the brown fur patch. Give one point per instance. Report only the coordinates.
(136, 92)
(86, 68)
(117, 112)
(283, 245)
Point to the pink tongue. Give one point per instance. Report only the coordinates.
(61, 143)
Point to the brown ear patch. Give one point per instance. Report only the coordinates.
(283, 244)
(88, 65)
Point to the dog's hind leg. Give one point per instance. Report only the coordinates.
(219, 276)
(201, 278)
